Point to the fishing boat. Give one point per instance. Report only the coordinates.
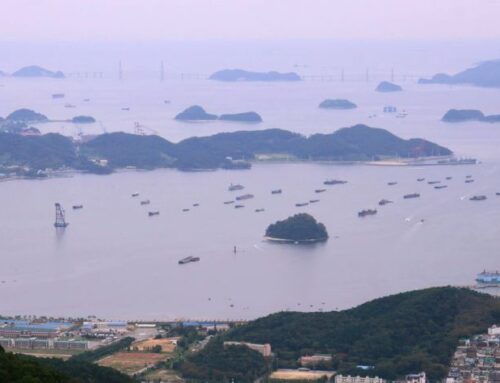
(135, 194)
(76, 207)
(228, 202)
(469, 181)
(186, 209)
(334, 182)
(314, 201)
(392, 183)
(239, 206)
(478, 198)
(153, 213)
(276, 191)
(244, 197)
(440, 187)
(383, 202)
(259, 210)
(301, 204)
(366, 212)
(420, 179)
(320, 190)
(145, 202)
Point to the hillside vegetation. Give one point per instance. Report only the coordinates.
(398, 334)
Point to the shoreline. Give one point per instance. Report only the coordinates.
(295, 242)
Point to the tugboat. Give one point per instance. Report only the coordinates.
(76, 207)
(412, 195)
(153, 213)
(334, 182)
(145, 202)
(277, 191)
(383, 202)
(235, 187)
(60, 217)
(478, 198)
(300, 204)
(244, 197)
(189, 259)
(392, 183)
(364, 213)
(320, 190)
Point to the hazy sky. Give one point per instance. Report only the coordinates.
(141, 20)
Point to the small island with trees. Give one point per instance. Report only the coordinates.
(301, 228)
(341, 104)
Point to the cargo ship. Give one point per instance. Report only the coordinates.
(364, 213)
(334, 182)
(189, 259)
(244, 197)
(489, 277)
(478, 198)
(235, 187)
(412, 195)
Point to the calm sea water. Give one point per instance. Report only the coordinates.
(115, 261)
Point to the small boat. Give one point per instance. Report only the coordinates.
(69, 106)
(497, 193)
(277, 191)
(75, 207)
(420, 179)
(135, 194)
(145, 202)
(189, 259)
(228, 202)
(58, 95)
(468, 176)
(449, 178)
(153, 213)
(440, 187)
(383, 202)
(166, 101)
(469, 181)
(126, 108)
(86, 99)
(320, 190)
(313, 200)
(478, 198)
(239, 206)
(244, 197)
(235, 187)
(300, 204)
(259, 210)
(364, 213)
(434, 182)
(334, 182)
(412, 195)
(186, 209)
(196, 204)
(392, 183)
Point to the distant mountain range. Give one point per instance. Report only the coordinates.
(244, 75)
(485, 74)
(223, 150)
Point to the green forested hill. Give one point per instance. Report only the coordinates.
(398, 334)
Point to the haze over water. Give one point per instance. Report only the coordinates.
(115, 261)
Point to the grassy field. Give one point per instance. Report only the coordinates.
(132, 362)
(300, 375)
(167, 345)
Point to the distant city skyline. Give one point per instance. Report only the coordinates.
(185, 20)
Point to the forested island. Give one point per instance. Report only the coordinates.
(486, 74)
(110, 151)
(37, 71)
(244, 75)
(83, 120)
(397, 334)
(462, 115)
(386, 86)
(301, 228)
(26, 115)
(197, 113)
(337, 104)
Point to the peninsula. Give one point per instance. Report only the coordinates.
(485, 74)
